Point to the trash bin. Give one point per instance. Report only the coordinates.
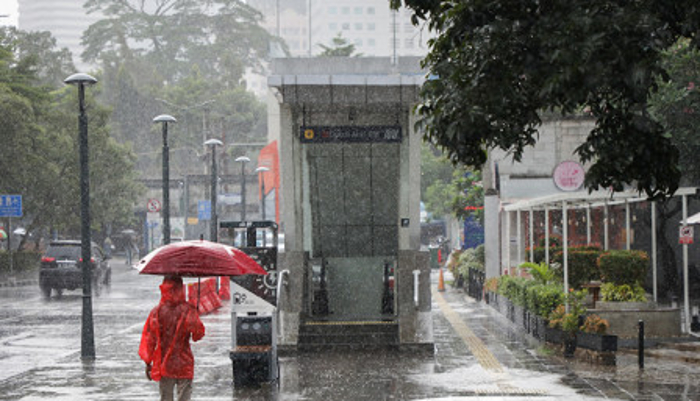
(254, 357)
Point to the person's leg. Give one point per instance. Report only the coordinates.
(167, 385)
(184, 389)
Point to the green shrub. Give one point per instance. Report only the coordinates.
(471, 258)
(542, 299)
(595, 324)
(623, 267)
(541, 273)
(622, 293)
(582, 266)
(512, 288)
(21, 261)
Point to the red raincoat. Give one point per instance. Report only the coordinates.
(165, 341)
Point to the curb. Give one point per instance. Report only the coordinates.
(11, 282)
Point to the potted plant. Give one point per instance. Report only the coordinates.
(593, 335)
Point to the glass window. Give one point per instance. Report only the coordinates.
(408, 43)
(358, 10)
(346, 26)
(358, 42)
(345, 10)
(333, 26)
(370, 10)
(370, 26)
(371, 42)
(333, 10)
(358, 26)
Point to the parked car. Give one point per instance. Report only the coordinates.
(61, 269)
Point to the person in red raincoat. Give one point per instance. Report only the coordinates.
(165, 341)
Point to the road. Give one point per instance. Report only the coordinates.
(476, 356)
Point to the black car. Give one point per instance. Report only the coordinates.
(61, 268)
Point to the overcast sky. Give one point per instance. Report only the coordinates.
(8, 7)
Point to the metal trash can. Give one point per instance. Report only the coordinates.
(254, 356)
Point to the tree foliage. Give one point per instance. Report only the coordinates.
(447, 190)
(496, 66)
(181, 57)
(38, 130)
(340, 47)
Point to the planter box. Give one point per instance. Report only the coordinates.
(555, 336)
(597, 342)
(624, 320)
(625, 306)
(538, 326)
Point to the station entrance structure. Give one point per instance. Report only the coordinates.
(350, 200)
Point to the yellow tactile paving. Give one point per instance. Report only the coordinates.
(477, 347)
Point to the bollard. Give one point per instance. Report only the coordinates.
(640, 351)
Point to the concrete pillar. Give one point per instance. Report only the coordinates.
(415, 321)
(290, 303)
(492, 241)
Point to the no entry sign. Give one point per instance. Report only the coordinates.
(153, 205)
(685, 235)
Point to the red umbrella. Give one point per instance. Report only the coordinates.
(198, 258)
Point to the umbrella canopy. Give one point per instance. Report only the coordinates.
(198, 258)
(3, 234)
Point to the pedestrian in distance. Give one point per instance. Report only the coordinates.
(165, 341)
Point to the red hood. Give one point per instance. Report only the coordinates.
(172, 291)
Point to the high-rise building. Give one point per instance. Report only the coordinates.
(65, 19)
(370, 25)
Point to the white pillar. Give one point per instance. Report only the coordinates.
(654, 261)
(565, 244)
(628, 234)
(606, 225)
(532, 236)
(546, 235)
(492, 234)
(588, 224)
(686, 299)
(509, 235)
(518, 221)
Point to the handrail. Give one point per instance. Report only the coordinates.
(280, 279)
(416, 296)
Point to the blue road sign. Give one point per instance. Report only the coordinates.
(10, 205)
(204, 210)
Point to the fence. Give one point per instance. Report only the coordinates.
(475, 287)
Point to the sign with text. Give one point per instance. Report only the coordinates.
(569, 176)
(350, 133)
(10, 205)
(204, 210)
(685, 235)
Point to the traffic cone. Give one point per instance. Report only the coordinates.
(441, 282)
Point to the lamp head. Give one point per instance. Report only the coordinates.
(243, 159)
(80, 78)
(261, 169)
(164, 118)
(213, 142)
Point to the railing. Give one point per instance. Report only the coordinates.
(475, 287)
(280, 281)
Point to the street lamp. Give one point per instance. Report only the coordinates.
(87, 344)
(213, 143)
(165, 119)
(261, 170)
(243, 160)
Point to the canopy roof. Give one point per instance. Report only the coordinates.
(582, 199)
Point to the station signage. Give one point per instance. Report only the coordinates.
(10, 205)
(350, 133)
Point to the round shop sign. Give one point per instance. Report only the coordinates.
(568, 176)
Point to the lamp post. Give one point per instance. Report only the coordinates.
(243, 160)
(165, 119)
(261, 170)
(87, 343)
(214, 228)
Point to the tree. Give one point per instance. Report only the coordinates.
(38, 130)
(340, 47)
(496, 66)
(182, 57)
(448, 190)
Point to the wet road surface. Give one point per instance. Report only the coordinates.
(479, 355)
